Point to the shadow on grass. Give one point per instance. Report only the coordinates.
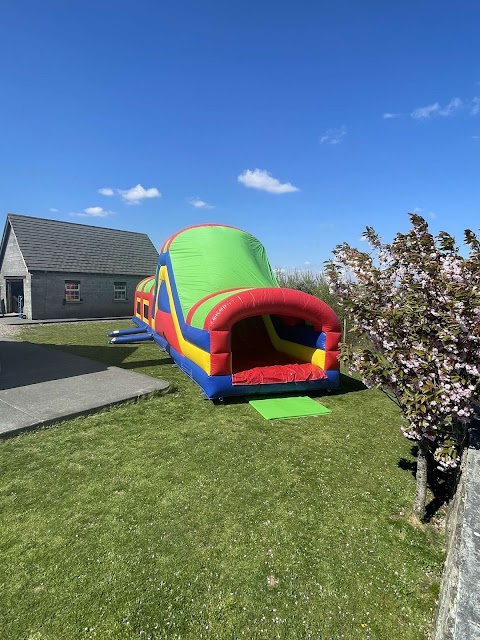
(112, 355)
(441, 484)
(347, 385)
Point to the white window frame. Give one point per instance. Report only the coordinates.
(72, 291)
(120, 291)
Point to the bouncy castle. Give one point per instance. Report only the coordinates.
(217, 309)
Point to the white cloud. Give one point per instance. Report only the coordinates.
(475, 137)
(135, 195)
(261, 179)
(94, 212)
(421, 113)
(472, 106)
(425, 112)
(417, 210)
(200, 204)
(432, 215)
(451, 107)
(390, 116)
(475, 106)
(52, 210)
(334, 136)
(307, 263)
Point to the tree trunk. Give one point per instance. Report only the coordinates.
(421, 488)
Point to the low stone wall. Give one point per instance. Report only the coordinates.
(458, 614)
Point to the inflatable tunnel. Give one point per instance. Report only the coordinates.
(216, 307)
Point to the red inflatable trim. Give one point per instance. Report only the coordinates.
(274, 374)
(205, 298)
(164, 326)
(268, 300)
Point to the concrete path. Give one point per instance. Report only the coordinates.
(39, 386)
(13, 320)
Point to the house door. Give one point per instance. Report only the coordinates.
(14, 290)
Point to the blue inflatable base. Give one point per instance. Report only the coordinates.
(216, 387)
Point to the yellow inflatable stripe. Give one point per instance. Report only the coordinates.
(299, 351)
(162, 275)
(200, 357)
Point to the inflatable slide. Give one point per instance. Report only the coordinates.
(216, 307)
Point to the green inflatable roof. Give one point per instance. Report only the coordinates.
(212, 261)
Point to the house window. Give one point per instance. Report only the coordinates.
(72, 290)
(119, 290)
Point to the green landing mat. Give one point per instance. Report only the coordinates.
(296, 407)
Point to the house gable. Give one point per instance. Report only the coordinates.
(11, 259)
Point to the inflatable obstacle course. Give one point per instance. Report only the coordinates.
(216, 308)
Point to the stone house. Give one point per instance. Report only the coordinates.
(68, 270)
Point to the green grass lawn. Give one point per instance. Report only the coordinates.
(180, 518)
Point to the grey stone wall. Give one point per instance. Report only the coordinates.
(458, 614)
(14, 266)
(27, 296)
(96, 293)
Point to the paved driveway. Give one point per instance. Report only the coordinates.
(40, 385)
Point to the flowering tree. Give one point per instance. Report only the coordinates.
(417, 302)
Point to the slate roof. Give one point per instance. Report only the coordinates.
(51, 245)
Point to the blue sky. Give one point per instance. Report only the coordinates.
(271, 114)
